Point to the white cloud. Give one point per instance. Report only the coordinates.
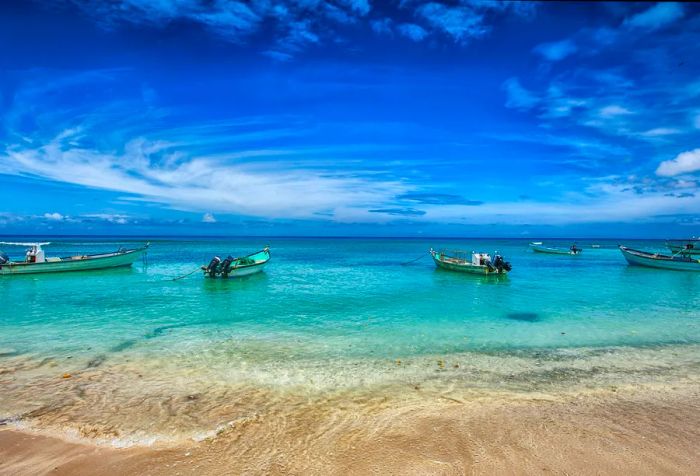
(208, 218)
(685, 162)
(658, 16)
(557, 50)
(614, 110)
(53, 216)
(684, 184)
(109, 217)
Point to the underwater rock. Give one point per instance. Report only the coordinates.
(96, 362)
(523, 316)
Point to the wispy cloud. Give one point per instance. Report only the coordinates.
(614, 110)
(294, 25)
(438, 199)
(412, 31)
(382, 26)
(362, 7)
(518, 96)
(557, 50)
(582, 146)
(661, 132)
(460, 23)
(407, 212)
(658, 16)
(152, 171)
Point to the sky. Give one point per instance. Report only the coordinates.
(349, 117)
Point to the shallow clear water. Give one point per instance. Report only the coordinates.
(338, 313)
(349, 297)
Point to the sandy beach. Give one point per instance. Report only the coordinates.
(645, 430)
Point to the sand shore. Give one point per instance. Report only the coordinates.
(631, 431)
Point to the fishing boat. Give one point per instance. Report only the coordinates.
(479, 263)
(235, 267)
(538, 247)
(690, 246)
(36, 261)
(679, 261)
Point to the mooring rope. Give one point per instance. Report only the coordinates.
(414, 260)
(184, 275)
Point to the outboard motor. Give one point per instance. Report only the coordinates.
(502, 264)
(213, 266)
(490, 265)
(225, 267)
(4, 258)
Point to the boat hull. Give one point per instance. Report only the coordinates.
(247, 271)
(466, 267)
(78, 263)
(552, 251)
(651, 260)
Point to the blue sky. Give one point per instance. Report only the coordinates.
(350, 117)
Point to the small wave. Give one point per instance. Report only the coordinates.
(73, 435)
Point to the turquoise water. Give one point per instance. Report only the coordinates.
(328, 314)
(350, 297)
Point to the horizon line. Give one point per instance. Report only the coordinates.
(437, 237)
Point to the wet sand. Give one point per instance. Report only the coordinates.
(636, 430)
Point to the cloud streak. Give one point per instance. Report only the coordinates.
(152, 171)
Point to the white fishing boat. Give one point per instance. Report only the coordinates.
(538, 247)
(231, 267)
(36, 261)
(678, 262)
(479, 263)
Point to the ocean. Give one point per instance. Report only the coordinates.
(131, 356)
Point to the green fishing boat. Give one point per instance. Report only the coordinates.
(478, 263)
(36, 261)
